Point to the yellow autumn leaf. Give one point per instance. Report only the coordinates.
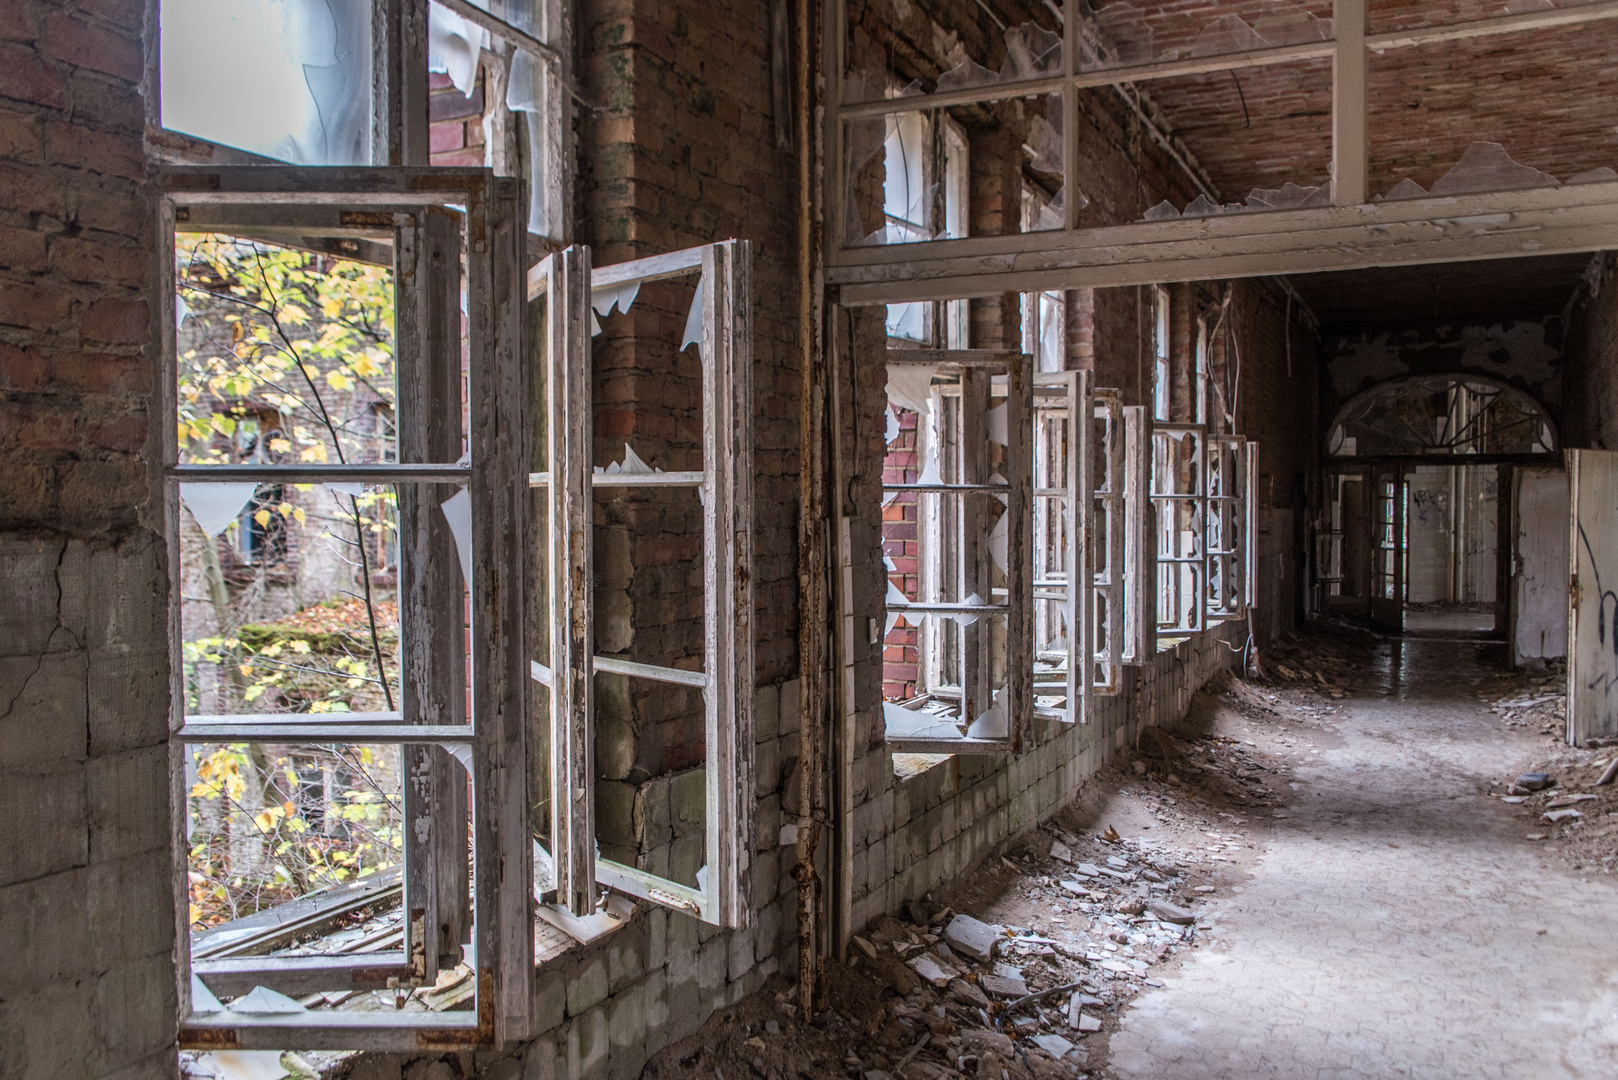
(338, 381)
(297, 512)
(286, 509)
(263, 518)
(280, 446)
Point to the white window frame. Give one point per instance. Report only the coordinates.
(431, 212)
(1215, 558)
(1162, 366)
(1231, 528)
(724, 484)
(1063, 444)
(976, 372)
(1179, 498)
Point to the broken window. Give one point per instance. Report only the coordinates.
(957, 488)
(668, 830)
(339, 759)
(1203, 489)
(1061, 555)
(346, 82)
(1424, 415)
(1161, 379)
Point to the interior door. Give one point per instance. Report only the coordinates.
(1388, 548)
(1592, 670)
(1539, 565)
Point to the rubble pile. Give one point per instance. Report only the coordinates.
(1023, 974)
(1532, 703)
(1320, 661)
(1569, 799)
(951, 994)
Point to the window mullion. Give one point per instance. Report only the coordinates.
(570, 432)
(503, 897)
(728, 605)
(1019, 550)
(1140, 621)
(432, 666)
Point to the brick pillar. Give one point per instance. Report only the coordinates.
(85, 865)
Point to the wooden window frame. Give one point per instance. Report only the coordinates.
(976, 369)
(439, 218)
(724, 485)
(1065, 396)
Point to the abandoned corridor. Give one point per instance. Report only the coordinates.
(1398, 921)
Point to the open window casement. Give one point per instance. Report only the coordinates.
(1061, 549)
(362, 762)
(1179, 500)
(1139, 566)
(1232, 473)
(571, 298)
(958, 616)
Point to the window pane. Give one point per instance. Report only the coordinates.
(285, 357)
(288, 79)
(292, 606)
(270, 823)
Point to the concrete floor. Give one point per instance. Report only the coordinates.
(1398, 923)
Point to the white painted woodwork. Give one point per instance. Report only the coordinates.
(1592, 670)
(1538, 221)
(432, 710)
(1539, 573)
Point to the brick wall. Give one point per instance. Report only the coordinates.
(88, 988)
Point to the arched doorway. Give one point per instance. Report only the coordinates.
(1415, 531)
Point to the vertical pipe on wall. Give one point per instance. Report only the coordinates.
(812, 522)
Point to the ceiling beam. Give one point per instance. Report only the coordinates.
(1349, 142)
(1541, 221)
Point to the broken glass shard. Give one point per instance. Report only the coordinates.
(1226, 34)
(457, 510)
(216, 505)
(453, 47)
(1593, 176)
(1032, 52)
(1123, 37)
(1405, 189)
(693, 322)
(287, 79)
(910, 385)
(1487, 167)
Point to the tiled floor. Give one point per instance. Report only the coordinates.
(1399, 923)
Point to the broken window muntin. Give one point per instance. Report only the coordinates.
(1179, 501)
(720, 326)
(410, 209)
(975, 637)
(1062, 549)
(1108, 543)
(1229, 532)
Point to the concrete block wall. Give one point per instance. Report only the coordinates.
(87, 988)
(924, 834)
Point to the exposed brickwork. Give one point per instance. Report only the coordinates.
(901, 546)
(84, 852)
(455, 123)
